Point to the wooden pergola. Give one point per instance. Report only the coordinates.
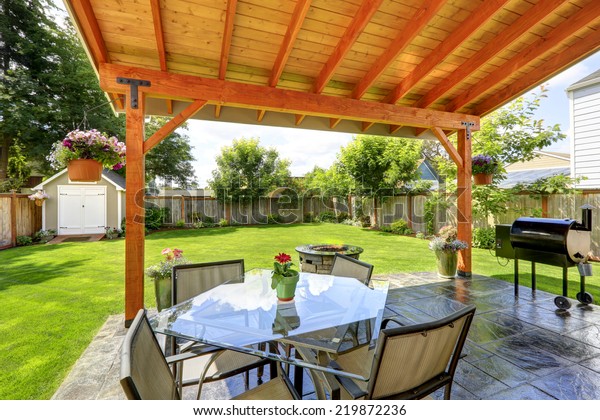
(408, 68)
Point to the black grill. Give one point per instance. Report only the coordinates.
(559, 242)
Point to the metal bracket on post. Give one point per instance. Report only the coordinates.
(134, 83)
(468, 126)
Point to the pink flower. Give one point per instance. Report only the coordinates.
(177, 253)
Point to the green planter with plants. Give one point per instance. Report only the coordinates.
(161, 275)
(284, 279)
(446, 247)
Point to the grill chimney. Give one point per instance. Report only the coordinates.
(586, 218)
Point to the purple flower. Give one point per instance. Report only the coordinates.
(117, 166)
(67, 143)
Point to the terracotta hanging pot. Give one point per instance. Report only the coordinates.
(84, 170)
(39, 202)
(482, 179)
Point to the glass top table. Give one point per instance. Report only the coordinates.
(244, 313)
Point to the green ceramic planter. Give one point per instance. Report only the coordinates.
(286, 287)
(162, 291)
(446, 264)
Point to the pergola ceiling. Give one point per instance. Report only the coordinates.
(393, 67)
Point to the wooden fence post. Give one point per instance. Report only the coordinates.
(13, 218)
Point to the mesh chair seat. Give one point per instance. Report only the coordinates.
(345, 266)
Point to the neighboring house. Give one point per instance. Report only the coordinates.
(584, 105)
(544, 165)
(77, 208)
(427, 173)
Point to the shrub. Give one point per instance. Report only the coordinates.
(274, 219)
(112, 233)
(342, 216)
(180, 223)
(24, 240)
(420, 235)
(327, 217)
(400, 227)
(309, 217)
(484, 238)
(223, 223)
(44, 236)
(198, 225)
(156, 216)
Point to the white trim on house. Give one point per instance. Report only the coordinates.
(119, 211)
(107, 179)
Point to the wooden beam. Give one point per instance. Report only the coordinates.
(90, 31)
(260, 114)
(417, 22)
(585, 16)
(576, 52)
(476, 20)
(448, 146)
(172, 125)
(218, 111)
(299, 118)
(333, 122)
(227, 34)
(289, 39)
(363, 16)
(501, 42)
(394, 128)
(159, 34)
(241, 95)
(169, 107)
(134, 210)
(464, 210)
(366, 125)
(420, 130)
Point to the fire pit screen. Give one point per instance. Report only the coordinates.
(319, 258)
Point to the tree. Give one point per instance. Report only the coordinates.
(246, 171)
(332, 182)
(172, 158)
(46, 81)
(379, 165)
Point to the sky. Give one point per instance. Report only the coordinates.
(307, 148)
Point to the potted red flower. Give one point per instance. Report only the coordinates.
(284, 279)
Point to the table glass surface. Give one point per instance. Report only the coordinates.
(243, 313)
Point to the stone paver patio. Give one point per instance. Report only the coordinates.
(518, 348)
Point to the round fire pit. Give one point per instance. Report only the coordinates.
(319, 258)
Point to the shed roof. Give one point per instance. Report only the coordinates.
(393, 67)
(112, 177)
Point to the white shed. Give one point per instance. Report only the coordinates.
(584, 105)
(78, 208)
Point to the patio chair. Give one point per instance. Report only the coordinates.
(213, 364)
(145, 373)
(345, 266)
(408, 362)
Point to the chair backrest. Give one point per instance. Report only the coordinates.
(413, 361)
(345, 266)
(145, 374)
(190, 280)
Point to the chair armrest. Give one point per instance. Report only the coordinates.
(193, 352)
(348, 384)
(321, 380)
(388, 320)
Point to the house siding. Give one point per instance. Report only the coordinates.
(585, 126)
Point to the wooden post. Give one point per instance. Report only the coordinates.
(182, 208)
(13, 218)
(464, 215)
(409, 211)
(544, 206)
(134, 211)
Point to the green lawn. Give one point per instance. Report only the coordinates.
(56, 297)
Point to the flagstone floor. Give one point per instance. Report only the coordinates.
(518, 347)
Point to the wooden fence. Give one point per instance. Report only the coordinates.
(19, 216)
(191, 209)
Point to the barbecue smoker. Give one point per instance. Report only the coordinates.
(559, 242)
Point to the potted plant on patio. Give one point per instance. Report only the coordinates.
(161, 275)
(85, 153)
(39, 197)
(446, 247)
(483, 167)
(284, 279)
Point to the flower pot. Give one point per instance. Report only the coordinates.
(39, 202)
(482, 179)
(286, 287)
(162, 292)
(446, 264)
(84, 170)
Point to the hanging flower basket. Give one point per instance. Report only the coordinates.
(38, 198)
(84, 170)
(85, 153)
(483, 167)
(482, 179)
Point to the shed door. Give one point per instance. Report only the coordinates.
(81, 210)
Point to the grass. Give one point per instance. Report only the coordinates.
(55, 298)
